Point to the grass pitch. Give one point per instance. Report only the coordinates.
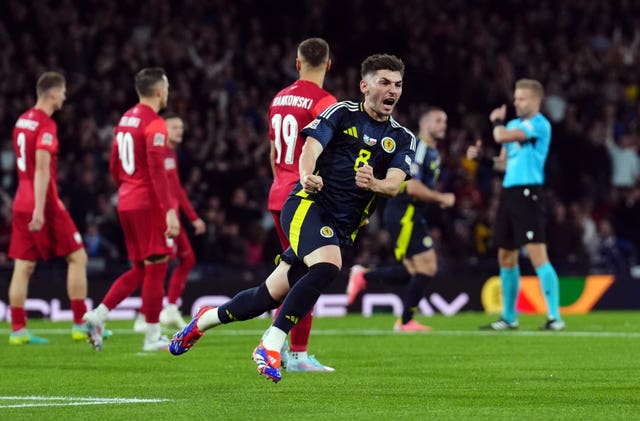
(590, 371)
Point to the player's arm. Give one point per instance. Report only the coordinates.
(42, 176)
(155, 138)
(420, 191)
(114, 161)
(500, 133)
(388, 186)
(503, 135)
(272, 158)
(311, 150)
(186, 207)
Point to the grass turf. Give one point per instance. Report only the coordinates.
(590, 371)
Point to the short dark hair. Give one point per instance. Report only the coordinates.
(314, 51)
(381, 62)
(47, 81)
(169, 115)
(146, 80)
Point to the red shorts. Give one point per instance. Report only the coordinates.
(284, 241)
(182, 246)
(58, 236)
(144, 233)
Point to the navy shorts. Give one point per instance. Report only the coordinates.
(408, 229)
(307, 226)
(520, 218)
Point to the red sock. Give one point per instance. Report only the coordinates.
(179, 277)
(153, 290)
(124, 286)
(299, 335)
(18, 318)
(78, 308)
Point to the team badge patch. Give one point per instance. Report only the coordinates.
(326, 232)
(158, 139)
(427, 241)
(169, 164)
(47, 139)
(369, 140)
(388, 144)
(313, 125)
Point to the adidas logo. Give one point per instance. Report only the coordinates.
(293, 319)
(352, 131)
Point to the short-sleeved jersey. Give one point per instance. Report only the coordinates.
(525, 160)
(292, 109)
(34, 130)
(179, 200)
(426, 168)
(351, 139)
(139, 134)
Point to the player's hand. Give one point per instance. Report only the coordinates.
(499, 113)
(199, 226)
(447, 200)
(37, 221)
(473, 151)
(312, 184)
(365, 178)
(173, 224)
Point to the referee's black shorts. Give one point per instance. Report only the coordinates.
(520, 218)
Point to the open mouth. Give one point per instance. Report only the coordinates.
(389, 102)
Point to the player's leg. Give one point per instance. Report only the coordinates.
(399, 222)
(245, 305)
(18, 287)
(171, 315)
(510, 283)
(125, 285)
(507, 225)
(68, 243)
(360, 277)
(155, 272)
(324, 266)
(549, 282)
(25, 248)
(422, 266)
(77, 291)
(300, 361)
(135, 226)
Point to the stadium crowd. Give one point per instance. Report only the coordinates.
(226, 60)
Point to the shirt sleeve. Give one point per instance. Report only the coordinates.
(405, 155)
(155, 137)
(183, 200)
(322, 105)
(114, 168)
(324, 126)
(48, 138)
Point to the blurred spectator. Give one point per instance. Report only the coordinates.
(226, 62)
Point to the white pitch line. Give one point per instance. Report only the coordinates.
(69, 401)
(387, 332)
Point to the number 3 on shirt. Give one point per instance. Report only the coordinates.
(125, 151)
(285, 129)
(21, 160)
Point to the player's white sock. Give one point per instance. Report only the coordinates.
(208, 320)
(102, 311)
(274, 339)
(153, 332)
(298, 355)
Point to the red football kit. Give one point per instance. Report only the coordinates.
(290, 111)
(179, 201)
(33, 131)
(137, 166)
